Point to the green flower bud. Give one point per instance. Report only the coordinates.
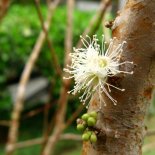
(89, 132)
(93, 114)
(85, 117)
(93, 138)
(91, 121)
(80, 127)
(85, 137)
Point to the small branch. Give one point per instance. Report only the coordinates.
(4, 4)
(62, 103)
(4, 123)
(150, 133)
(95, 22)
(18, 106)
(54, 56)
(70, 137)
(37, 111)
(63, 97)
(45, 126)
(38, 141)
(74, 115)
(106, 24)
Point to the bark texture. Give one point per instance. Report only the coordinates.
(122, 127)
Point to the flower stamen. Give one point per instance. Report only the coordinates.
(91, 66)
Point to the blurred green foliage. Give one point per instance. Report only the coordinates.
(19, 31)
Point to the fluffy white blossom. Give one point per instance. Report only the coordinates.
(92, 65)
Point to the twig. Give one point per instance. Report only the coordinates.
(62, 103)
(45, 128)
(95, 22)
(38, 141)
(54, 56)
(18, 106)
(45, 120)
(55, 64)
(48, 2)
(107, 19)
(4, 123)
(37, 111)
(74, 115)
(150, 133)
(63, 97)
(4, 4)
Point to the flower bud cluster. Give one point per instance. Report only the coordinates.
(92, 65)
(85, 124)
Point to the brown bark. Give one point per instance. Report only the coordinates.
(123, 126)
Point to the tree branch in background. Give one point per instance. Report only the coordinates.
(4, 123)
(54, 56)
(55, 63)
(74, 115)
(63, 100)
(38, 141)
(18, 106)
(107, 19)
(4, 4)
(63, 97)
(95, 22)
(66, 136)
(150, 133)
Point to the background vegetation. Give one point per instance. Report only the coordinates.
(18, 32)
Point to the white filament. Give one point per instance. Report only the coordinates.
(91, 66)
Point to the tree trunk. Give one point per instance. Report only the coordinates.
(122, 126)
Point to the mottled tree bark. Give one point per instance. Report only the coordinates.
(122, 126)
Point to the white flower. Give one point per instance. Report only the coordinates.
(91, 66)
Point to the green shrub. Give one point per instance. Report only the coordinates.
(19, 31)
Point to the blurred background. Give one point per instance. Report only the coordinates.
(20, 28)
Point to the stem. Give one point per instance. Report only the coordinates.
(62, 103)
(95, 22)
(19, 104)
(54, 56)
